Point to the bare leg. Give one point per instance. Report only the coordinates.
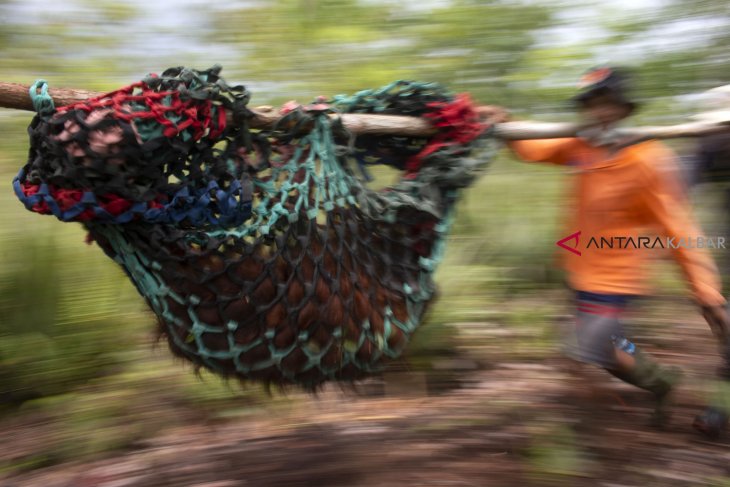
(625, 361)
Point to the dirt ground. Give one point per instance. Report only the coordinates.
(506, 422)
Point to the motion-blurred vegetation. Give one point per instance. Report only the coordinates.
(69, 317)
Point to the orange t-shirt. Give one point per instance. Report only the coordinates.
(629, 204)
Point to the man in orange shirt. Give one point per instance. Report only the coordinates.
(629, 201)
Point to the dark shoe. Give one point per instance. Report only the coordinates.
(711, 422)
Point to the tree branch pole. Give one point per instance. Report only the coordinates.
(15, 95)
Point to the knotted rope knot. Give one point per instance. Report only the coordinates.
(42, 102)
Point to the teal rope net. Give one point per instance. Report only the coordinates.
(263, 253)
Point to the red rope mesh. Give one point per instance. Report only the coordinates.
(458, 124)
(127, 104)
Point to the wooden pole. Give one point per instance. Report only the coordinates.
(15, 95)
(542, 130)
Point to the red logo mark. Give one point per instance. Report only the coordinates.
(561, 243)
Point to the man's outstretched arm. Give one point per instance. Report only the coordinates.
(556, 151)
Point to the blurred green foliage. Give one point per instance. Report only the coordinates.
(58, 329)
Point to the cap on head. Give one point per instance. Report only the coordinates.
(611, 82)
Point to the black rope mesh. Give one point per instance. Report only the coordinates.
(283, 267)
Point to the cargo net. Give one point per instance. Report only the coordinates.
(263, 253)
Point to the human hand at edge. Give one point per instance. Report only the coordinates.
(719, 320)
